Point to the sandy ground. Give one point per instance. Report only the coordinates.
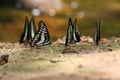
(75, 67)
(95, 65)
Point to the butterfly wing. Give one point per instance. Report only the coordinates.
(77, 33)
(99, 29)
(96, 34)
(24, 36)
(32, 30)
(42, 37)
(70, 33)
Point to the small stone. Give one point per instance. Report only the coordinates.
(4, 59)
(55, 60)
(110, 49)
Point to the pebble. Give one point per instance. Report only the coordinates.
(110, 49)
(4, 59)
(55, 60)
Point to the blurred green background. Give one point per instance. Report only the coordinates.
(55, 13)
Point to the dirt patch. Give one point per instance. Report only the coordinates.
(48, 63)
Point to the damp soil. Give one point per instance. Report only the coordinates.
(83, 60)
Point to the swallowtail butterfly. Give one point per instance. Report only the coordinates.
(24, 36)
(73, 34)
(31, 30)
(42, 37)
(96, 37)
(77, 31)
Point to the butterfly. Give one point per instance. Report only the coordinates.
(73, 34)
(24, 36)
(29, 31)
(96, 36)
(32, 29)
(77, 33)
(42, 37)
